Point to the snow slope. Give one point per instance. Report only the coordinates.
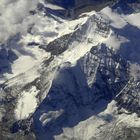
(27, 104)
(35, 72)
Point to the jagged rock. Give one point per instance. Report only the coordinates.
(129, 97)
(83, 89)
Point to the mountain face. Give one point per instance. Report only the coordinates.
(65, 78)
(77, 89)
(72, 9)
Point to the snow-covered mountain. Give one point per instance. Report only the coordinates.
(65, 77)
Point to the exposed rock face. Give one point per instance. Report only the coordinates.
(74, 8)
(79, 3)
(84, 87)
(77, 89)
(58, 46)
(11, 94)
(129, 97)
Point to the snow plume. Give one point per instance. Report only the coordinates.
(135, 71)
(12, 16)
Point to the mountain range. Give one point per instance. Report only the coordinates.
(71, 71)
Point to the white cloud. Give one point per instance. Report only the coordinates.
(135, 71)
(117, 20)
(115, 41)
(134, 19)
(12, 16)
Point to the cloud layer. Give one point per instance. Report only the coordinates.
(13, 14)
